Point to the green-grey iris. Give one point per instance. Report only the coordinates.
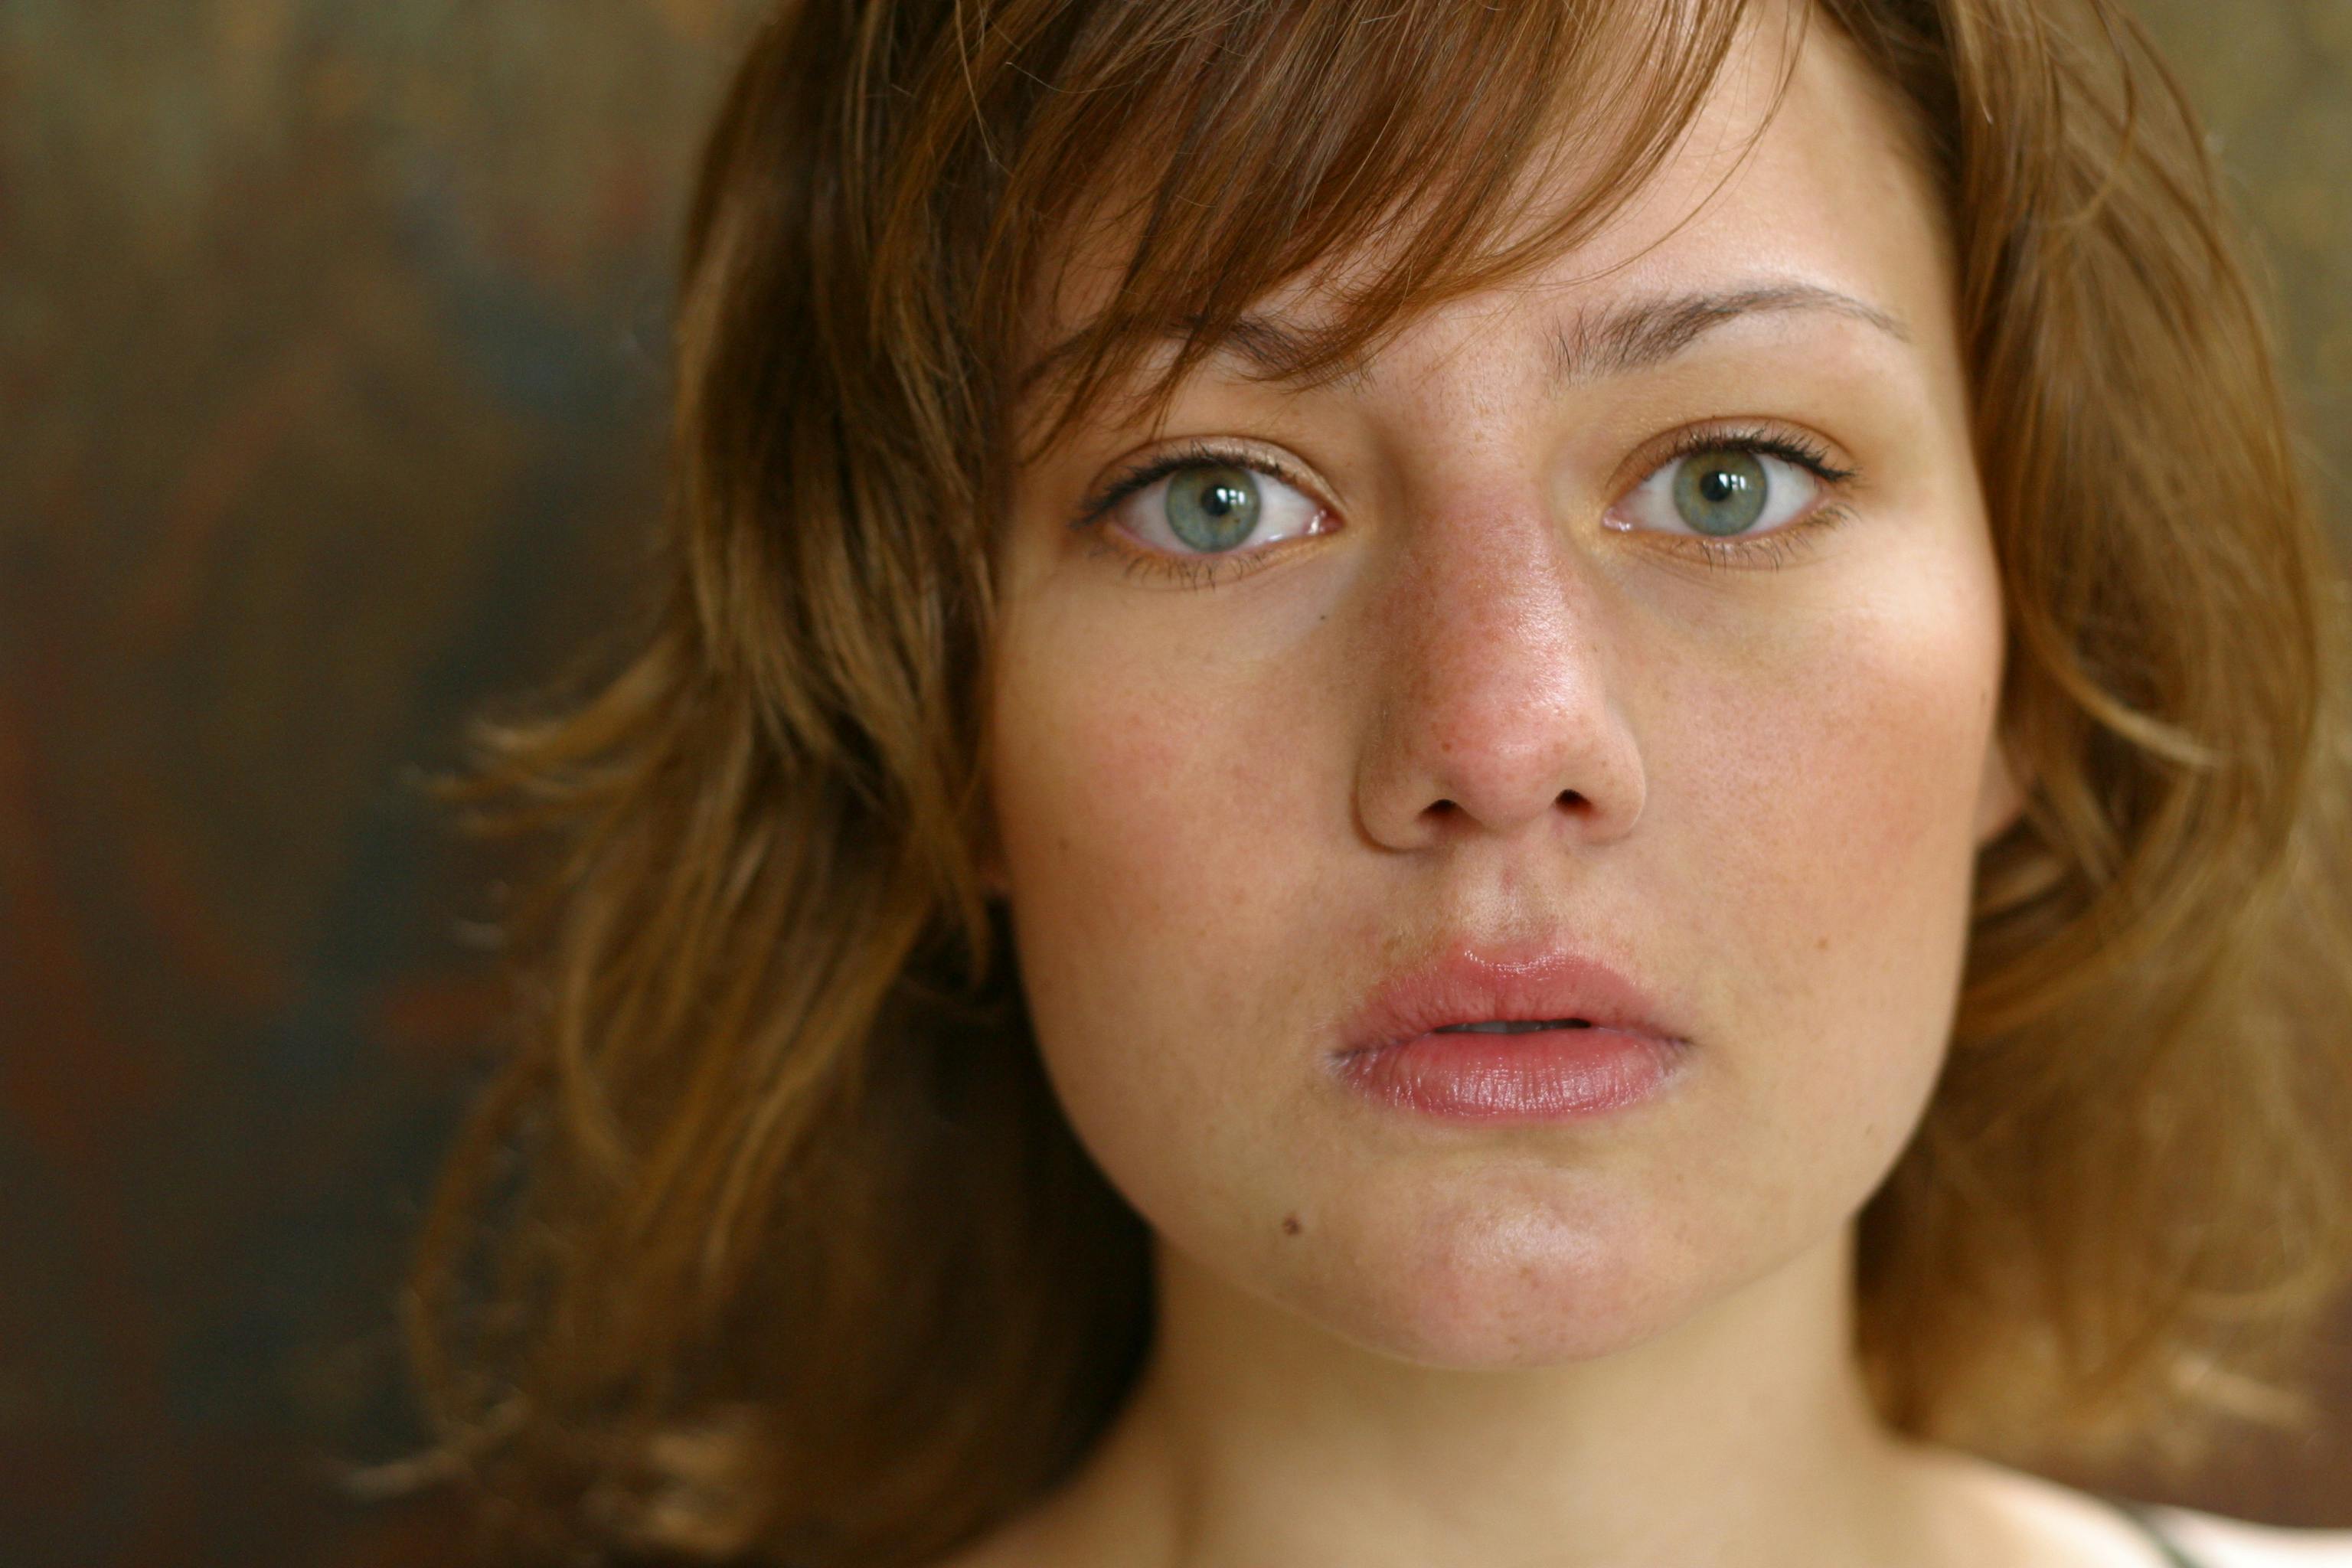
(1212, 507)
(1720, 490)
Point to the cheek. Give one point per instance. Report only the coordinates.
(1826, 800)
(1133, 806)
(1837, 776)
(1158, 816)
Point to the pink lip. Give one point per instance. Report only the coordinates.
(1391, 1052)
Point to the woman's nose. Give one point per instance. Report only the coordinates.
(1494, 712)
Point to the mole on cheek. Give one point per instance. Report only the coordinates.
(1290, 1224)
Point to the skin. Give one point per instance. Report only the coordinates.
(1470, 709)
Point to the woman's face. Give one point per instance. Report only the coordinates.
(1471, 685)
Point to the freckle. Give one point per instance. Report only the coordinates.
(1290, 1224)
(1821, 945)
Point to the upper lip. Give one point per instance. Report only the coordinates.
(1471, 983)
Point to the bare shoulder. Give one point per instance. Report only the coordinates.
(2219, 1542)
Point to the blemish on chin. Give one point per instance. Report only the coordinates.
(1290, 1224)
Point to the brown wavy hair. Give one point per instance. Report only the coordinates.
(769, 1242)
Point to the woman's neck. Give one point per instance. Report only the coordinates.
(1740, 1437)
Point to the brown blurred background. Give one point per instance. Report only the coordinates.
(331, 379)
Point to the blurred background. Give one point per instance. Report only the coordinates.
(332, 378)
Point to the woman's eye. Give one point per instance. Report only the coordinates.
(1725, 490)
(1213, 507)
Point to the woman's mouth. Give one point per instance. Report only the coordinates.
(1471, 1036)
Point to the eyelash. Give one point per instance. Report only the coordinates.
(1774, 549)
(1195, 571)
(1780, 545)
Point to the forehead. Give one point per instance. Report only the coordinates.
(1801, 188)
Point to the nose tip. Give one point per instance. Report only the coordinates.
(1497, 776)
(1499, 710)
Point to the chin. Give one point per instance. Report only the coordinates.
(1498, 1284)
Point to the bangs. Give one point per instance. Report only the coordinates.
(1233, 148)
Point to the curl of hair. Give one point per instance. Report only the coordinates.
(768, 1241)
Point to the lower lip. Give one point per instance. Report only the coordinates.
(1539, 1075)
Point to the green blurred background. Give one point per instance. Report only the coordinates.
(331, 375)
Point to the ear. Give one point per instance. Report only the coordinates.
(2001, 791)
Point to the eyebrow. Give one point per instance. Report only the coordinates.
(1645, 334)
(1594, 344)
